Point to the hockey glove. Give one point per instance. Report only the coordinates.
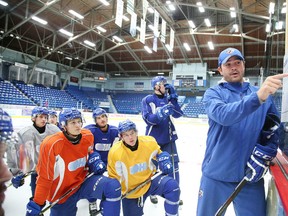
(171, 91)
(165, 111)
(33, 209)
(95, 163)
(164, 163)
(18, 180)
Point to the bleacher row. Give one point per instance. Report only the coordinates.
(19, 93)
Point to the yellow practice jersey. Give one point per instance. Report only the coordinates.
(132, 168)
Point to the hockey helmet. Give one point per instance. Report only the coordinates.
(126, 126)
(69, 114)
(157, 80)
(6, 127)
(52, 113)
(98, 112)
(39, 111)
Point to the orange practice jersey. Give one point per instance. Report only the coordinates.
(61, 166)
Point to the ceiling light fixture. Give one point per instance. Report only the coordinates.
(89, 43)
(271, 8)
(232, 12)
(117, 39)
(191, 24)
(268, 28)
(105, 2)
(210, 45)
(76, 14)
(151, 10)
(283, 10)
(42, 21)
(207, 22)
(3, 3)
(69, 58)
(101, 29)
(169, 48)
(148, 49)
(186, 46)
(125, 18)
(63, 31)
(200, 7)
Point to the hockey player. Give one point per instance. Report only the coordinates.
(53, 118)
(237, 143)
(6, 139)
(130, 161)
(63, 161)
(104, 137)
(30, 137)
(157, 111)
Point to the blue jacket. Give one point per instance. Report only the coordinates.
(236, 118)
(159, 129)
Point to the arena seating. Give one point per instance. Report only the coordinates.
(193, 107)
(11, 95)
(128, 103)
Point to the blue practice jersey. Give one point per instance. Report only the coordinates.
(162, 130)
(103, 140)
(236, 118)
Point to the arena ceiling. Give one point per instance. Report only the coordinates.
(20, 32)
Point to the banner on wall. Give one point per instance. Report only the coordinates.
(139, 86)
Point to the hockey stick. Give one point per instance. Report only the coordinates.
(141, 185)
(24, 176)
(136, 188)
(238, 188)
(64, 195)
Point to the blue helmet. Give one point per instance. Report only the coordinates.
(126, 126)
(52, 113)
(39, 111)
(6, 127)
(98, 112)
(69, 114)
(157, 80)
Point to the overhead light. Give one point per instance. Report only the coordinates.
(207, 22)
(151, 27)
(271, 8)
(170, 5)
(125, 18)
(63, 31)
(200, 7)
(117, 74)
(210, 45)
(76, 14)
(169, 47)
(186, 46)
(42, 21)
(232, 12)
(147, 49)
(138, 28)
(3, 3)
(279, 25)
(268, 28)
(68, 58)
(117, 39)
(283, 10)
(101, 29)
(160, 73)
(236, 27)
(105, 2)
(89, 43)
(191, 24)
(151, 10)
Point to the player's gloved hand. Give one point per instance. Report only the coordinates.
(164, 163)
(270, 132)
(33, 209)
(95, 163)
(165, 111)
(259, 162)
(18, 180)
(171, 91)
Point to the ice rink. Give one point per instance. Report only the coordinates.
(191, 147)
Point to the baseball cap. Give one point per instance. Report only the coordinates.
(228, 53)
